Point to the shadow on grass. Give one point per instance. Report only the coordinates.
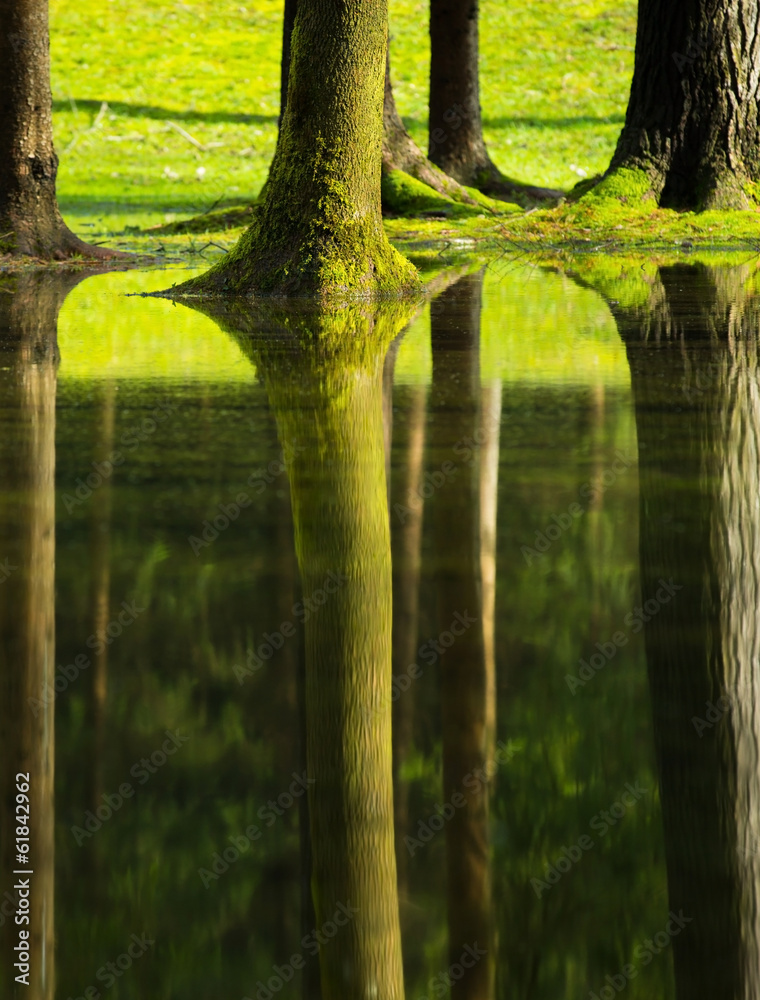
(162, 114)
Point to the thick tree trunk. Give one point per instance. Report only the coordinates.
(693, 355)
(28, 365)
(323, 374)
(318, 227)
(30, 222)
(454, 416)
(691, 134)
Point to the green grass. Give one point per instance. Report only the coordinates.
(166, 110)
(554, 84)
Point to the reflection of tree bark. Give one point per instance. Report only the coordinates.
(406, 512)
(324, 378)
(693, 356)
(455, 332)
(29, 308)
(490, 422)
(100, 590)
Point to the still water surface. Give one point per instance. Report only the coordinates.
(419, 647)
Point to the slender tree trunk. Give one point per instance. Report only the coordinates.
(691, 137)
(323, 374)
(318, 228)
(401, 152)
(693, 356)
(455, 392)
(30, 222)
(455, 131)
(29, 359)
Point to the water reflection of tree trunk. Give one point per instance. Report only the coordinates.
(29, 308)
(406, 510)
(693, 355)
(490, 422)
(455, 332)
(325, 386)
(100, 590)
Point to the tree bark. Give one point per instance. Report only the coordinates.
(401, 152)
(693, 354)
(318, 227)
(455, 130)
(29, 308)
(30, 221)
(454, 412)
(691, 138)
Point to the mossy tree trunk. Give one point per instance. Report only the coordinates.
(29, 360)
(323, 374)
(693, 354)
(691, 137)
(317, 227)
(30, 221)
(454, 417)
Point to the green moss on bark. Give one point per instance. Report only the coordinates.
(317, 230)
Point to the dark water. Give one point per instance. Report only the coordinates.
(417, 645)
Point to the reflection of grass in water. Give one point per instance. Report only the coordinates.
(554, 89)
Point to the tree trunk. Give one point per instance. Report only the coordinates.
(455, 142)
(288, 20)
(28, 313)
(455, 392)
(30, 222)
(693, 355)
(691, 138)
(323, 374)
(317, 227)
(401, 152)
